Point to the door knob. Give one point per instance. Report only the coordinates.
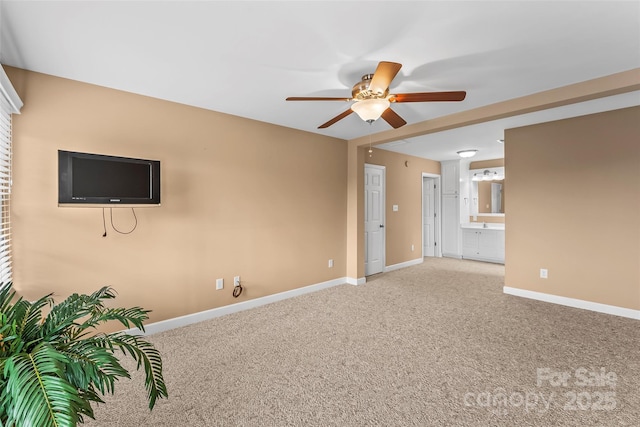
(381, 226)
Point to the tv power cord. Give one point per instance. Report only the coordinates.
(237, 290)
(104, 223)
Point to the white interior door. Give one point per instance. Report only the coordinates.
(373, 219)
(429, 216)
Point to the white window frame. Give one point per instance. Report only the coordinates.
(10, 104)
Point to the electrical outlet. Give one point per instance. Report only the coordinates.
(412, 248)
(330, 263)
(219, 284)
(544, 273)
(236, 281)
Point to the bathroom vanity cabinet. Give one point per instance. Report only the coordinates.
(483, 244)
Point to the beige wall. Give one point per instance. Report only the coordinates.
(403, 188)
(485, 164)
(573, 204)
(239, 197)
(268, 203)
(355, 212)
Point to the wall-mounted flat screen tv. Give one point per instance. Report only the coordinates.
(85, 178)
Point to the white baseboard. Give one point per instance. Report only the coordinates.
(575, 303)
(188, 319)
(356, 282)
(403, 264)
(363, 280)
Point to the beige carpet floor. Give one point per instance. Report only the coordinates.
(437, 344)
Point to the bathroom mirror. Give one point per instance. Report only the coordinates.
(487, 191)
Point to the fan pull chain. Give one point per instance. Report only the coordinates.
(370, 149)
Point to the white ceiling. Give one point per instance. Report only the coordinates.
(244, 58)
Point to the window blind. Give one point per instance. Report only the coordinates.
(5, 191)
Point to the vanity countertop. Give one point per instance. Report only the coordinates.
(486, 225)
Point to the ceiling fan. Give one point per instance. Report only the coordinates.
(372, 99)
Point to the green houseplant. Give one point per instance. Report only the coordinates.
(53, 366)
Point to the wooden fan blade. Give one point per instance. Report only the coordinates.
(393, 118)
(385, 72)
(313, 98)
(428, 96)
(335, 119)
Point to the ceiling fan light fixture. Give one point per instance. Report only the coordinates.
(372, 99)
(465, 154)
(370, 109)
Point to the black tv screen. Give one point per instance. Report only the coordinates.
(85, 178)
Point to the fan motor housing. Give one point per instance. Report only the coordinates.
(361, 89)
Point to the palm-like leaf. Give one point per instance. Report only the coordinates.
(29, 324)
(148, 356)
(7, 295)
(63, 317)
(90, 363)
(53, 368)
(40, 396)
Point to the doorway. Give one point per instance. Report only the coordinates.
(374, 235)
(431, 215)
